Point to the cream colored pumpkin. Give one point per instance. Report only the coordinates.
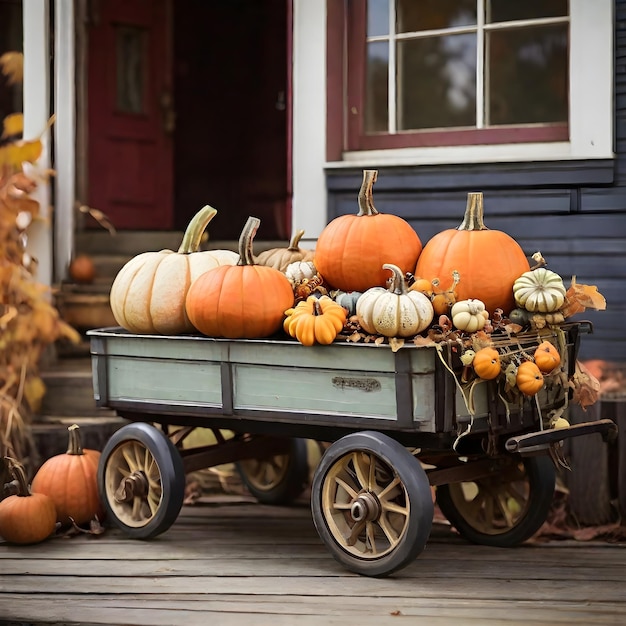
(396, 311)
(469, 315)
(148, 294)
(539, 291)
(300, 270)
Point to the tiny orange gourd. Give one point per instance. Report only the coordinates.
(547, 357)
(529, 379)
(70, 481)
(486, 363)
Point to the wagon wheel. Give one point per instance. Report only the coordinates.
(504, 509)
(141, 480)
(371, 503)
(279, 479)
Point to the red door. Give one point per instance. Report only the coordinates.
(130, 119)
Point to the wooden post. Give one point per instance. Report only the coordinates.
(588, 482)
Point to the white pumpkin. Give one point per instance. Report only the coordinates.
(469, 315)
(395, 311)
(539, 291)
(148, 293)
(300, 270)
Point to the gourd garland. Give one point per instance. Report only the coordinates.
(148, 294)
(240, 301)
(280, 258)
(70, 481)
(351, 249)
(25, 517)
(396, 311)
(489, 260)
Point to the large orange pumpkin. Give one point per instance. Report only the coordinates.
(240, 301)
(70, 480)
(352, 249)
(489, 261)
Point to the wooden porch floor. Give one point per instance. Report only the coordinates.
(229, 561)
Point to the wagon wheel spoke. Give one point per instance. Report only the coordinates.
(392, 507)
(370, 537)
(390, 490)
(354, 534)
(390, 532)
(361, 468)
(347, 488)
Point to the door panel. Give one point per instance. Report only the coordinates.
(129, 116)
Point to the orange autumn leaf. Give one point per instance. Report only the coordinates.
(580, 297)
(13, 125)
(12, 66)
(585, 386)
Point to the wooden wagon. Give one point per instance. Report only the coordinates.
(397, 422)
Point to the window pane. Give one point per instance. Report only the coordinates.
(415, 16)
(131, 73)
(527, 80)
(377, 17)
(437, 82)
(506, 10)
(376, 106)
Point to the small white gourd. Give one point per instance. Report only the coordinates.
(540, 291)
(469, 315)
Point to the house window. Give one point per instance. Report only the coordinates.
(426, 75)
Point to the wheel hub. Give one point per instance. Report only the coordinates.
(365, 508)
(132, 486)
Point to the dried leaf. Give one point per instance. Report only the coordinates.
(13, 125)
(420, 341)
(12, 66)
(586, 387)
(580, 297)
(396, 343)
(99, 216)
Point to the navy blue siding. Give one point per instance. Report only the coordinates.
(574, 213)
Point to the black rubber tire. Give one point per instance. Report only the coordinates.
(293, 479)
(167, 471)
(540, 477)
(392, 461)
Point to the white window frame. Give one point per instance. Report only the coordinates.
(590, 104)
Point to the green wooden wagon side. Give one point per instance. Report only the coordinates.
(398, 423)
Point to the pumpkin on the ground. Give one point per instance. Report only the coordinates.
(148, 294)
(280, 258)
(25, 517)
(396, 311)
(70, 480)
(352, 249)
(240, 301)
(489, 260)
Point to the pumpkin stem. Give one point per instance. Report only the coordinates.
(366, 195)
(473, 219)
(246, 257)
(195, 230)
(397, 284)
(19, 473)
(293, 244)
(75, 445)
(317, 308)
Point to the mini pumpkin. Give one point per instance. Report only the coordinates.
(315, 320)
(82, 269)
(396, 311)
(300, 270)
(25, 517)
(529, 379)
(351, 249)
(547, 357)
(148, 294)
(443, 299)
(486, 363)
(469, 315)
(281, 258)
(240, 301)
(70, 480)
(540, 291)
(347, 299)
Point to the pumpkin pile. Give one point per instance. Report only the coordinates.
(369, 279)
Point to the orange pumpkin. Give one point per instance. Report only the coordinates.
(486, 363)
(547, 357)
(25, 517)
(352, 249)
(70, 480)
(82, 269)
(240, 301)
(529, 379)
(489, 260)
